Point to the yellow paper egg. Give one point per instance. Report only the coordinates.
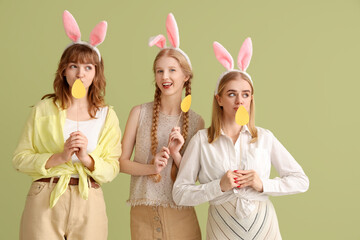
(78, 89)
(186, 103)
(242, 116)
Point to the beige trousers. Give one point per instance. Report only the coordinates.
(72, 218)
(165, 223)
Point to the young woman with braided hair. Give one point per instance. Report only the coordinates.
(159, 144)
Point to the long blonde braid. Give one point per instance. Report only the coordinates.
(184, 132)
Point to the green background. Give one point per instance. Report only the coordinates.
(304, 67)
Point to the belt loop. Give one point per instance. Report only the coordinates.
(51, 182)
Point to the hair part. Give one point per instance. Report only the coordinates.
(185, 67)
(79, 53)
(217, 111)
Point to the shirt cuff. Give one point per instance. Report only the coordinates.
(41, 162)
(213, 189)
(268, 186)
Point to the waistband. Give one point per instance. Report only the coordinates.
(73, 181)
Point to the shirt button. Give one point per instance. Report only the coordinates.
(158, 229)
(156, 218)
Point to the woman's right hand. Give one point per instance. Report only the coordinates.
(61, 158)
(161, 159)
(69, 150)
(229, 181)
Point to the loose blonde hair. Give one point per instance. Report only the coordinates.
(169, 52)
(79, 53)
(217, 111)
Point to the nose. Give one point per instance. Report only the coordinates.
(80, 72)
(239, 100)
(165, 75)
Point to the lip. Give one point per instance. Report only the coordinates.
(167, 85)
(236, 108)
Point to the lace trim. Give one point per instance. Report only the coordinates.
(148, 202)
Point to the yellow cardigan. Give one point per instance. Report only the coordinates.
(43, 137)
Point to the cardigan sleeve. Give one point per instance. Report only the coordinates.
(106, 154)
(292, 178)
(185, 191)
(26, 158)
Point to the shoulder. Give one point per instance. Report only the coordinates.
(46, 107)
(201, 136)
(196, 119)
(264, 133)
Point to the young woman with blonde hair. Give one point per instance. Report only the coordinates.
(159, 143)
(232, 162)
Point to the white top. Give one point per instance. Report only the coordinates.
(209, 162)
(90, 128)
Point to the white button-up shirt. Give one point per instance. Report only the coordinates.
(209, 162)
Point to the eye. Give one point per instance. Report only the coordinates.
(172, 70)
(88, 68)
(232, 95)
(72, 66)
(159, 71)
(245, 95)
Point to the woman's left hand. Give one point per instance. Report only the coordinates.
(249, 178)
(176, 140)
(79, 140)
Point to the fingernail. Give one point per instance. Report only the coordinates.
(238, 186)
(235, 178)
(235, 170)
(236, 181)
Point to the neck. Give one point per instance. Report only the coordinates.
(230, 127)
(170, 105)
(79, 102)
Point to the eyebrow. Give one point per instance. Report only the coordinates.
(233, 90)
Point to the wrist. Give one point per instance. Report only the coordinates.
(87, 161)
(177, 158)
(153, 169)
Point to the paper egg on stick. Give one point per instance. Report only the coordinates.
(242, 116)
(78, 89)
(186, 103)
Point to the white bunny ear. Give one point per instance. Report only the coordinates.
(97, 35)
(245, 54)
(71, 27)
(223, 56)
(172, 31)
(159, 41)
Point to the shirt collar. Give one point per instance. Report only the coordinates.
(243, 130)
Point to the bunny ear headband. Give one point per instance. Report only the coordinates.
(72, 30)
(173, 37)
(224, 57)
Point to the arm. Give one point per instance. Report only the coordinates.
(128, 143)
(176, 154)
(292, 178)
(26, 159)
(107, 152)
(185, 191)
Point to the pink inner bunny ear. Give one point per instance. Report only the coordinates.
(172, 31)
(159, 41)
(245, 54)
(71, 27)
(223, 56)
(98, 34)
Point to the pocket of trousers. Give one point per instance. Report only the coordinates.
(36, 188)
